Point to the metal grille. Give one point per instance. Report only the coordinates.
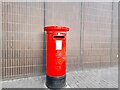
(97, 34)
(22, 39)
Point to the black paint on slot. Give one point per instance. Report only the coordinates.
(58, 36)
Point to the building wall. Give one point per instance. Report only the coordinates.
(114, 42)
(67, 14)
(0, 43)
(97, 34)
(91, 41)
(23, 25)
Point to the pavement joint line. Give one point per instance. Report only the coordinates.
(80, 79)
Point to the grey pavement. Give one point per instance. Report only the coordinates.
(92, 78)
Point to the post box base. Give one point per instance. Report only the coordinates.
(55, 82)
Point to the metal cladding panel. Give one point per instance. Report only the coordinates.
(97, 33)
(22, 42)
(0, 43)
(114, 43)
(67, 14)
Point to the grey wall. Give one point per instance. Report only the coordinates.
(67, 14)
(91, 41)
(0, 41)
(114, 43)
(23, 25)
(97, 34)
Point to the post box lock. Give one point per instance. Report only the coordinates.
(56, 56)
(63, 57)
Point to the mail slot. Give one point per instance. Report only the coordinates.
(58, 36)
(56, 56)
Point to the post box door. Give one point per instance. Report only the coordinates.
(60, 51)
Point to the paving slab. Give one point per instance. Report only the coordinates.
(92, 78)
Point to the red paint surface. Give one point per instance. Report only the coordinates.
(56, 59)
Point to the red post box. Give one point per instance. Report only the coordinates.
(56, 56)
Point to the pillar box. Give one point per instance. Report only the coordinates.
(56, 56)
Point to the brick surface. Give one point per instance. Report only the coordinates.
(92, 78)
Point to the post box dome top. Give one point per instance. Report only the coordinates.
(56, 28)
